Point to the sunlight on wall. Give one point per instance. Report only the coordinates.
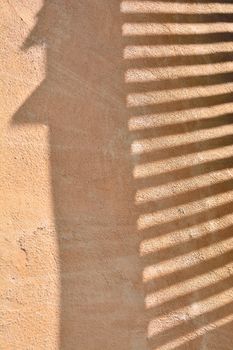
(179, 85)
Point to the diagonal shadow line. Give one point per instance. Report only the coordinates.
(199, 294)
(187, 197)
(186, 173)
(188, 221)
(188, 148)
(217, 331)
(179, 83)
(192, 325)
(185, 126)
(163, 17)
(178, 60)
(178, 39)
(182, 105)
(188, 273)
(192, 245)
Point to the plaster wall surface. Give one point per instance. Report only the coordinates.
(116, 154)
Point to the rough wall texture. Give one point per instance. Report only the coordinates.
(116, 175)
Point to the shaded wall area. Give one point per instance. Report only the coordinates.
(82, 103)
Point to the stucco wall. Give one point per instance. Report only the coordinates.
(116, 175)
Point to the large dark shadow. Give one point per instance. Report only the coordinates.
(82, 101)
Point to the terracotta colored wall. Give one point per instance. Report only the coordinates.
(116, 175)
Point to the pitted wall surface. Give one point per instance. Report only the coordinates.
(116, 155)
